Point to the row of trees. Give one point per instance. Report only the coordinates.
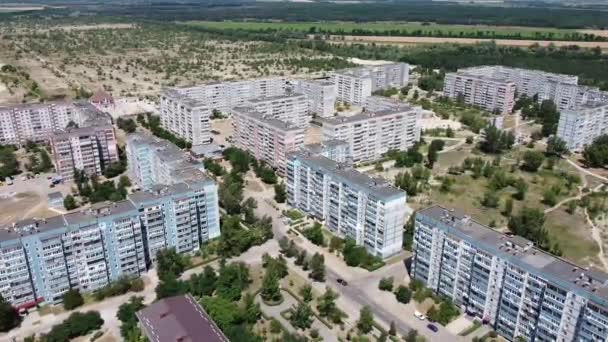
(152, 122)
(316, 263)
(94, 191)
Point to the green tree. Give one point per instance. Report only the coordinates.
(170, 286)
(386, 284)
(326, 304)
(306, 293)
(9, 317)
(317, 267)
(168, 261)
(522, 187)
(232, 280)
(301, 316)
(69, 203)
(72, 299)
(271, 291)
(203, 284)
(315, 234)
(403, 294)
(392, 331)
(280, 193)
(252, 311)
(532, 160)
(596, 154)
(412, 336)
(556, 147)
(366, 320)
(508, 207)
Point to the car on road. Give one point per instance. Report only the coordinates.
(432, 327)
(419, 315)
(342, 282)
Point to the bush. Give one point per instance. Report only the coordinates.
(72, 299)
(403, 294)
(77, 324)
(386, 284)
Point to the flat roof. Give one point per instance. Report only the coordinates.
(520, 251)
(275, 98)
(377, 187)
(179, 318)
(364, 116)
(275, 123)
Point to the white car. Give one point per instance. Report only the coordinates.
(419, 315)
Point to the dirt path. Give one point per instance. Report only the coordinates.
(596, 234)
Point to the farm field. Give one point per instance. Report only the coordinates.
(408, 29)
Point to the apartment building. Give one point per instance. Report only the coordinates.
(89, 149)
(186, 117)
(493, 94)
(580, 125)
(88, 249)
(521, 291)
(37, 122)
(321, 96)
(266, 138)
(153, 161)
(291, 108)
(371, 134)
(568, 96)
(186, 111)
(356, 84)
(336, 150)
(351, 204)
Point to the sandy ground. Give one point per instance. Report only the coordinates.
(439, 40)
(94, 27)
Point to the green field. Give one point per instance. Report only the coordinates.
(399, 29)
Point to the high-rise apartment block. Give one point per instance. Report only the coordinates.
(355, 85)
(321, 96)
(351, 204)
(86, 250)
(490, 93)
(291, 108)
(521, 291)
(266, 138)
(580, 125)
(186, 111)
(372, 134)
(88, 149)
(336, 150)
(153, 161)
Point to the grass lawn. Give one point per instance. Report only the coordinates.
(574, 237)
(414, 29)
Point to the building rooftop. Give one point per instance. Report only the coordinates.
(178, 319)
(520, 251)
(364, 116)
(377, 187)
(275, 98)
(322, 146)
(274, 123)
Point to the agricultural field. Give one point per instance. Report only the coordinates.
(409, 29)
(49, 62)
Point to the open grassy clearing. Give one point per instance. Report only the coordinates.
(413, 29)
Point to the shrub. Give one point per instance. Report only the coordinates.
(72, 299)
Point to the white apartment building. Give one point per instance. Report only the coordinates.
(291, 108)
(355, 85)
(89, 149)
(371, 134)
(522, 292)
(566, 95)
(349, 203)
(490, 93)
(185, 117)
(321, 96)
(153, 161)
(36, 122)
(267, 139)
(580, 125)
(336, 150)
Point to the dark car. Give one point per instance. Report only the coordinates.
(342, 282)
(432, 327)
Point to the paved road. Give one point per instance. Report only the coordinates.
(353, 295)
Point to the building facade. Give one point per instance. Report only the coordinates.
(291, 109)
(580, 125)
(355, 85)
(490, 93)
(336, 150)
(372, 134)
(186, 117)
(153, 161)
(88, 149)
(88, 249)
(351, 204)
(267, 139)
(321, 96)
(521, 291)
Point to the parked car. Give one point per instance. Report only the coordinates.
(342, 282)
(419, 315)
(432, 327)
